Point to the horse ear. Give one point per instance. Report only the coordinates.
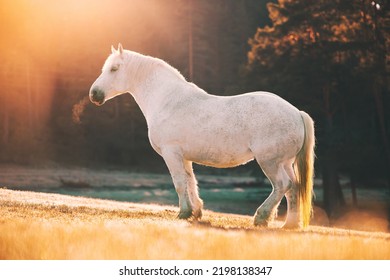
(113, 50)
(120, 48)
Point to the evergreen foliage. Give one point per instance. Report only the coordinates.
(331, 59)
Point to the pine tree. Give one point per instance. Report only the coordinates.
(328, 57)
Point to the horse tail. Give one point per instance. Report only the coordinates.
(304, 170)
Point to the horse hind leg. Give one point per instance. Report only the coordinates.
(281, 183)
(293, 214)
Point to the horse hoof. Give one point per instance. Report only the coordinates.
(291, 226)
(184, 215)
(261, 220)
(197, 214)
(261, 223)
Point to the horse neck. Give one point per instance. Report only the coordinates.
(156, 85)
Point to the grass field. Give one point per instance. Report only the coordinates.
(53, 226)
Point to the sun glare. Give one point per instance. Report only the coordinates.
(54, 49)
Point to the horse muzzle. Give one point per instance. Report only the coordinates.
(97, 96)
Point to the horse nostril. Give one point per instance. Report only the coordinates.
(94, 92)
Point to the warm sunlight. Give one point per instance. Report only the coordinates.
(51, 50)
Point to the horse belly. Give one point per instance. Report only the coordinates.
(218, 155)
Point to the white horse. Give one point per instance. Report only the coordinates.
(186, 125)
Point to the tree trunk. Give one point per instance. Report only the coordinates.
(190, 44)
(382, 124)
(353, 190)
(30, 109)
(380, 110)
(333, 194)
(5, 126)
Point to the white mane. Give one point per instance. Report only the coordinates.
(141, 62)
(158, 61)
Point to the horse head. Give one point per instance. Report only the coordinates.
(112, 80)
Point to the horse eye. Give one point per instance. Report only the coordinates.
(114, 68)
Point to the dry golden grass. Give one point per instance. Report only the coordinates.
(50, 226)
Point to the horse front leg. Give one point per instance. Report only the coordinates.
(185, 184)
